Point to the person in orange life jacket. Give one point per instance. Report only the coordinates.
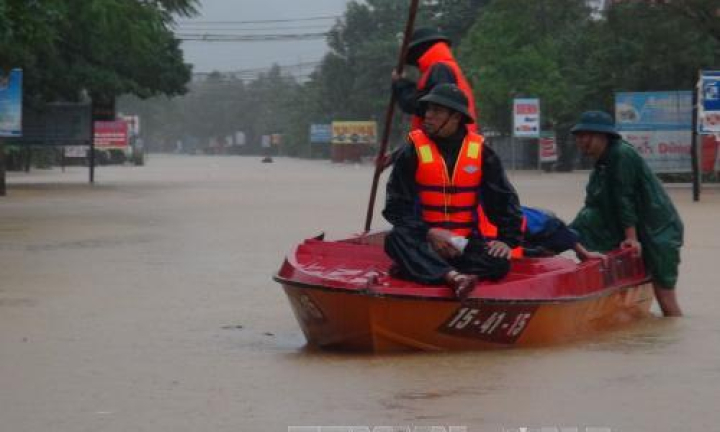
(432, 200)
(429, 51)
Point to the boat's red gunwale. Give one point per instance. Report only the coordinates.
(491, 300)
(582, 281)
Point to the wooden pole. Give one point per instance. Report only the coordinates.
(379, 160)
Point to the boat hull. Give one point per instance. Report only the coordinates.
(344, 297)
(363, 322)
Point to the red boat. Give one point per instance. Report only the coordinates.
(343, 298)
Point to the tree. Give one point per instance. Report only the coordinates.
(526, 48)
(573, 61)
(704, 13)
(654, 48)
(103, 47)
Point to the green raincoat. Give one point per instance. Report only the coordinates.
(623, 192)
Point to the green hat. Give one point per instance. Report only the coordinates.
(450, 96)
(596, 121)
(427, 34)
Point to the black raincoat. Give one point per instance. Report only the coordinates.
(407, 244)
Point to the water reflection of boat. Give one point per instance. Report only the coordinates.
(343, 298)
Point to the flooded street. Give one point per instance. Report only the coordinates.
(145, 303)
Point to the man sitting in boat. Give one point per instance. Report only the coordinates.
(433, 195)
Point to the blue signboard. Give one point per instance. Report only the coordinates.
(320, 133)
(711, 91)
(659, 126)
(654, 111)
(709, 118)
(11, 104)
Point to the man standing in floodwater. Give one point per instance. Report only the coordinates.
(626, 206)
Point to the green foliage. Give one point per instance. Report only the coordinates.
(526, 48)
(556, 50)
(703, 14)
(103, 47)
(572, 61)
(664, 53)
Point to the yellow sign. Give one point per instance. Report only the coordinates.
(354, 132)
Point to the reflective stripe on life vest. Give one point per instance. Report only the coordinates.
(446, 201)
(440, 53)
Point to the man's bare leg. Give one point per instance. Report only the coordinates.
(667, 299)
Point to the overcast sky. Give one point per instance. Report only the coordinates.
(233, 56)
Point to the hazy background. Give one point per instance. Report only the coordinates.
(230, 17)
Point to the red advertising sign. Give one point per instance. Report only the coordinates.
(111, 134)
(710, 154)
(526, 117)
(548, 148)
(526, 108)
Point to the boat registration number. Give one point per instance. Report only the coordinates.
(492, 323)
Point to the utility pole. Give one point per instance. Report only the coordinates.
(3, 190)
(91, 154)
(694, 143)
(513, 95)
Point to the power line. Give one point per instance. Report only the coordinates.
(316, 18)
(211, 37)
(193, 29)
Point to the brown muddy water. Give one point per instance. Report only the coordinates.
(145, 303)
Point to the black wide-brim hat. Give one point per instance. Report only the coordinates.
(596, 121)
(450, 96)
(427, 34)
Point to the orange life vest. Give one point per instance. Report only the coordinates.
(440, 53)
(449, 202)
(490, 231)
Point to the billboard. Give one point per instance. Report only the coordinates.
(265, 141)
(320, 133)
(55, 124)
(111, 134)
(709, 113)
(354, 132)
(133, 122)
(75, 151)
(659, 126)
(547, 150)
(11, 104)
(526, 118)
(240, 138)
